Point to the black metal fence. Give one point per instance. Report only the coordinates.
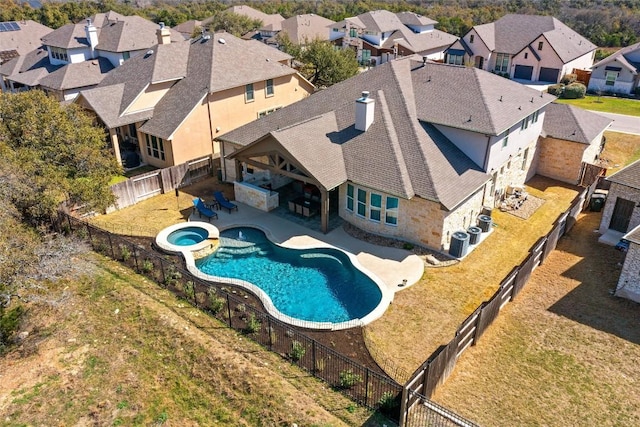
(435, 370)
(233, 306)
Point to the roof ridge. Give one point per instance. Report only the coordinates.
(483, 96)
(301, 122)
(573, 110)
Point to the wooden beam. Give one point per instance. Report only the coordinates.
(273, 169)
(324, 210)
(238, 170)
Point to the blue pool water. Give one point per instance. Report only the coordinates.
(318, 285)
(187, 236)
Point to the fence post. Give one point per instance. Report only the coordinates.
(69, 221)
(403, 406)
(90, 238)
(366, 387)
(229, 311)
(164, 278)
(113, 254)
(269, 332)
(313, 356)
(135, 258)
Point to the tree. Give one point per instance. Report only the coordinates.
(324, 65)
(51, 153)
(233, 23)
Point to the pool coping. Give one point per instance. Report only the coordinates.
(163, 243)
(385, 300)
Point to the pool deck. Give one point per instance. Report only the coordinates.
(391, 265)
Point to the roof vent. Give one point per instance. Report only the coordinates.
(206, 37)
(222, 41)
(161, 25)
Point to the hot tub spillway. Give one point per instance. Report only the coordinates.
(207, 250)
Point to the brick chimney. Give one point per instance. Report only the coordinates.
(164, 35)
(91, 32)
(364, 111)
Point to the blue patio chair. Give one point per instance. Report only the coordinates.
(203, 209)
(223, 202)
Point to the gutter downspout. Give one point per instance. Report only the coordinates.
(486, 154)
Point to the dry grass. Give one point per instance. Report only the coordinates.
(620, 150)
(119, 350)
(563, 353)
(427, 315)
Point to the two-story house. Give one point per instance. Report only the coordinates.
(77, 56)
(410, 149)
(524, 47)
(380, 36)
(18, 38)
(617, 73)
(165, 107)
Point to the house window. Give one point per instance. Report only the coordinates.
(526, 55)
(126, 55)
(353, 32)
(525, 123)
(610, 78)
(505, 141)
(268, 111)
(362, 202)
(534, 116)
(540, 45)
(454, 59)
(59, 53)
(502, 63)
(376, 207)
(391, 211)
(269, 87)
(155, 147)
(248, 93)
(471, 37)
(366, 55)
(350, 197)
(337, 30)
(524, 159)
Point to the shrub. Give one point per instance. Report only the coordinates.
(568, 79)
(189, 289)
(253, 324)
(348, 379)
(9, 323)
(407, 246)
(125, 252)
(297, 351)
(388, 403)
(637, 91)
(147, 266)
(574, 91)
(171, 277)
(556, 90)
(215, 302)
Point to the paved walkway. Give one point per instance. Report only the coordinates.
(391, 265)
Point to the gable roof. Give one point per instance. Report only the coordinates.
(629, 176)
(187, 28)
(23, 40)
(414, 19)
(116, 33)
(269, 22)
(199, 66)
(564, 121)
(512, 33)
(78, 75)
(419, 43)
(622, 56)
(402, 153)
(302, 28)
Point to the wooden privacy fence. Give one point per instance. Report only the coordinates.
(435, 370)
(160, 181)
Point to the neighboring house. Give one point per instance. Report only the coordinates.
(18, 38)
(301, 29)
(380, 36)
(618, 73)
(165, 107)
(271, 24)
(572, 139)
(622, 209)
(188, 28)
(416, 158)
(105, 41)
(629, 281)
(524, 47)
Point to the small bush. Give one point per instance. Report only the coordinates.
(171, 277)
(388, 403)
(348, 379)
(574, 91)
(253, 324)
(215, 302)
(556, 90)
(241, 308)
(189, 289)
(407, 246)
(9, 323)
(125, 252)
(147, 266)
(297, 351)
(567, 79)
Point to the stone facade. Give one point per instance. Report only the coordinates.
(624, 192)
(629, 282)
(257, 197)
(562, 160)
(515, 171)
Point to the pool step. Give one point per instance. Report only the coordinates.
(321, 255)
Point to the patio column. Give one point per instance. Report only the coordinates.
(116, 145)
(324, 210)
(238, 171)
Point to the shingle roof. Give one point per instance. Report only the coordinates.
(301, 28)
(198, 66)
(34, 59)
(414, 19)
(187, 28)
(419, 43)
(623, 56)
(380, 20)
(403, 153)
(629, 176)
(512, 33)
(571, 123)
(24, 40)
(269, 22)
(116, 33)
(78, 75)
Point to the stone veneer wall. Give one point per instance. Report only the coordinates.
(420, 221)
(560, 159)
(512, 173)
(624, 192)
(629, 282)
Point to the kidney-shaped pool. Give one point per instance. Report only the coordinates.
(315, 285)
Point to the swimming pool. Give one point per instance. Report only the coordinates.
(317, 285)
(187, 236)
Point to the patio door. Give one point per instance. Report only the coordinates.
(621, 215)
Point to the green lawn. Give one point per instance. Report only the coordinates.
(607, 104)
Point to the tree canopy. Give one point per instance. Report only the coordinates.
(50, 153)
(232, 23)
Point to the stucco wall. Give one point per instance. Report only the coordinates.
(623, 192)
(560, 159)
(629, 281)
(150, 97)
